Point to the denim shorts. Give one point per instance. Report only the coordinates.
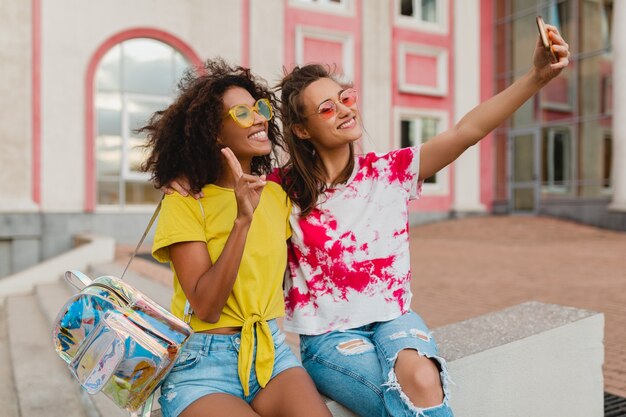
(208, 365)
(355, 367)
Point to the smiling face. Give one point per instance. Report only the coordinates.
(337, 131)
(245, 143)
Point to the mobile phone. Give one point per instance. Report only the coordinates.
(545, 40)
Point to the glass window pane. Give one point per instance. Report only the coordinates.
(595, 85)
(594, 157)
(147, 67)
(108, 155)
(523, 40)
(607, 159)
(108, 76)
(139, 112)
(108, 192)
(557, 98)
(108, 134)
(524, 199)
(406, 7)
(406, 133)
(525, 115)
(141, 193)
(429, 10)
(520, 5)
(500, 165)
(596, 25)
(557, 160)
(429, 128)
(524, 154)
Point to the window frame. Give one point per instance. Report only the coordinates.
(126, 175)
(345, 38)
(441, 186)
(344, 8)
(568, 187)
(416, 23)
(441, 54)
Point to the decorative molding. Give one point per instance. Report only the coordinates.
(441, 54)
(344, 38)
(345, 8)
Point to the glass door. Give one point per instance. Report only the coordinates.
(524, 171)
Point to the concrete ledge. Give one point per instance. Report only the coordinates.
(92, 249)
(533, 359)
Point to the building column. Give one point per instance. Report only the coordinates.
(376, 75)
(467, 96)
(618, 174)
(267, 31)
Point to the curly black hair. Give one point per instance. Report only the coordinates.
(182, 139)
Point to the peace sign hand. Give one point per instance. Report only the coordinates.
(248, 188)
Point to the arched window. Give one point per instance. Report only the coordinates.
(134, 79)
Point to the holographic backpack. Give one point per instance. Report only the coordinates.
(117, 341)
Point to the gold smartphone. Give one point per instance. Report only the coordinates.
(545, 40)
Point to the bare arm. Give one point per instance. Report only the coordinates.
(207, 285)
(446, 147)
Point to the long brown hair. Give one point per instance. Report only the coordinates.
(182, 139)
(304, 175)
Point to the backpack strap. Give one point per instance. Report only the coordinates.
(145, 233)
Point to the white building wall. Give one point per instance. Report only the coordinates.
(466, 96)
(267, 24)
(15, 107)
(72, 31)
(376, 76)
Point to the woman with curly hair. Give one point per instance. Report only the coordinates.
(227, 250)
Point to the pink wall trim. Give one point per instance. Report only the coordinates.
(487, 71)
(245, 44)
(445, 103)
(351, 25)
(90, 167)
(36, 101)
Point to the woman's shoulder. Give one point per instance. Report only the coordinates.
(275, 176)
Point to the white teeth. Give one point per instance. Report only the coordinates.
(347, 124)
(258, 135)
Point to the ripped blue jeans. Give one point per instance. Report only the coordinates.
(355, 367)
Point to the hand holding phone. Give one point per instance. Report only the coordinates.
(545, 40)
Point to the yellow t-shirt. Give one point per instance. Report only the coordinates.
(257, 293)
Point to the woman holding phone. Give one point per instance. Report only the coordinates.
(348, 291)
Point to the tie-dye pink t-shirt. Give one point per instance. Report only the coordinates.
(349, 258)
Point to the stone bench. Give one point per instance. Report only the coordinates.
(531, 360)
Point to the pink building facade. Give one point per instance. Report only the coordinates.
(83, 75)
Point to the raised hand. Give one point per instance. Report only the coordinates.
(546, 70)
(248, 188)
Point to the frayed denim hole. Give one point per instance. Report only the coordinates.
(354, 347)
(392, 383)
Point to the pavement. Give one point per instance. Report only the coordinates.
(467, 267)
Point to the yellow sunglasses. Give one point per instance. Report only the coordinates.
(243, 114)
